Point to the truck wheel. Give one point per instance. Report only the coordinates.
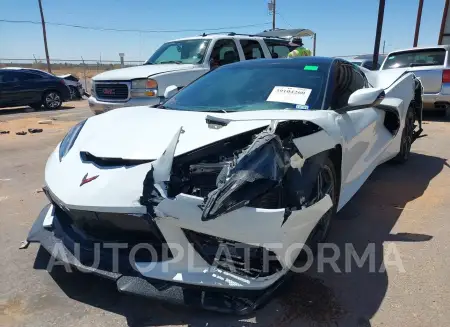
(447, 113)
(52, 100)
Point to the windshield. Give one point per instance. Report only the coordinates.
(415, 58)
(180, 52)
(357, 63)
(262, 85)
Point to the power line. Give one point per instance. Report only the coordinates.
(130, 30)
(284, 19)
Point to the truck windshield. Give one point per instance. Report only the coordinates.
(415, 58)
(261, 85)
(180, 52)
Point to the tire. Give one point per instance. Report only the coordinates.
(73, 93)
(406, 141)
(78, 94)
(326, 184)
(36, 106)
(52, 100)
(447, 113)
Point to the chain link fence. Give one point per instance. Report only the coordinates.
(82, 69)
(86, 69)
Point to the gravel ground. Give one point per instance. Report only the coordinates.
(400, 210)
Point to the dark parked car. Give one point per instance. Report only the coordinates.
(32, 87)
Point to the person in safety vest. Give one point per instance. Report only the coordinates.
(300, 51)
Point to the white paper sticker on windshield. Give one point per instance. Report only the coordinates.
(287, 94)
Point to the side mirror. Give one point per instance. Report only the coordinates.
(170, 91)
(362, 98)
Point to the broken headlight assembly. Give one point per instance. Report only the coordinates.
(258, 170)
(68, 140)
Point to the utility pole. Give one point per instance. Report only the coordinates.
(272, 8)
(49, 68)
(419, 17)
(376, 48)
(443, 22)
(384, 45)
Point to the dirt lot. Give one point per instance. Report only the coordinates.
(406, 207)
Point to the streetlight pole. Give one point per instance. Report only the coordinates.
(376, 48)
(49, 68)
(419, 17)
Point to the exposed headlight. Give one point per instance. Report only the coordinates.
(144, 88)
(260, 170)
(69, 139)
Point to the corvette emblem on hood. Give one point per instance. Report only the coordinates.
(86, 180)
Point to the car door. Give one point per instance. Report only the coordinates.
(9, 88)
(31, 87)
(364, 134)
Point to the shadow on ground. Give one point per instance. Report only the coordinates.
(321, 297)
(22, 110)
(433, 115)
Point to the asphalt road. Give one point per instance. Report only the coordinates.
(401, 210)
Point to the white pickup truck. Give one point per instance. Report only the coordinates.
(179, 62)
(432, 66)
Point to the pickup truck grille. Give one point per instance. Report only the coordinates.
(113, 91)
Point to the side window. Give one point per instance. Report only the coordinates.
(347, 80)
(278, 49)
(9, 77)
(359, 80)
(368, 65)
(224, 52)
(252, 49)
(29, 76)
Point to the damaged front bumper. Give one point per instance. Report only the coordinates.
(187, 278)
(222, 225)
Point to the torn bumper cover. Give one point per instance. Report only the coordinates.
(189, 278)
(227, 250)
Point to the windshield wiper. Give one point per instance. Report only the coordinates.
(148, 63)
(170, 62)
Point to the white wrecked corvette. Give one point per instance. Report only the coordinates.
(208, 199)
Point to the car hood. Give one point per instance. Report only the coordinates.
(143, 133)
(143, 71)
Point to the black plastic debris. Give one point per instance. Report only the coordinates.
(35, 130)
(21, 133)
(4, 132)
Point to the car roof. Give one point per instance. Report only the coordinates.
(24, 69)
(356, 60)
(286, 62)
(230, 35)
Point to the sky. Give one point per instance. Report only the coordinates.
(343, 27)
